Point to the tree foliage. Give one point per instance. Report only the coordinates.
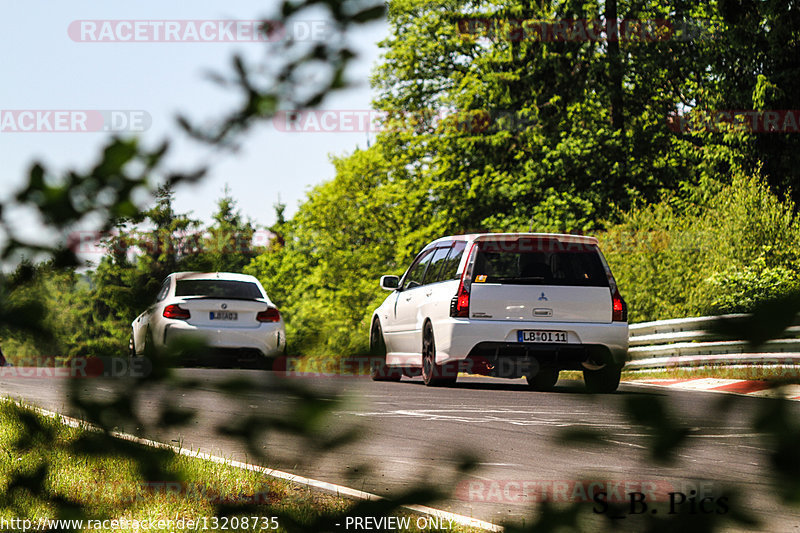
(341, 240)
(491, 126)
(481, 131)
(676, 260)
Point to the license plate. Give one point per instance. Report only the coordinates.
(224, 315)
(535, 335)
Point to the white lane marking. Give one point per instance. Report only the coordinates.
(728, 436)
(704, 383)
(456, 415)
(626, 444)
(321, 485)
(465, 410)
(785, 391)
(715, 436)
(481, 477)
(402, 461)
(792, 390)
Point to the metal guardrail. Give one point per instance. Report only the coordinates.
(690, 342)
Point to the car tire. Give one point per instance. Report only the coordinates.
(602, 381)
(544, 380)
(433, 374)
(149, 345)
(263, 363)
(378, 370)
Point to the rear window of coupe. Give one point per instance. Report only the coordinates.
(218, 288)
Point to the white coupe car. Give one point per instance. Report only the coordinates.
(506, 305)
(231, 313)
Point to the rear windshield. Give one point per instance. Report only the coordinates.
(539, 262)
(218, 288)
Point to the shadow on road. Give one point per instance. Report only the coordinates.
(563, 386)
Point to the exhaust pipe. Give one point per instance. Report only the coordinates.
(592, 365)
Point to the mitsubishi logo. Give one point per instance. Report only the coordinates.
(542, 297)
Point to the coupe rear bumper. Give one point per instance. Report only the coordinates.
(268, 338)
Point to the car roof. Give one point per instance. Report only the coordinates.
(562, 237)
(230, 276)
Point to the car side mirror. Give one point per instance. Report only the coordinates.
(390, 283)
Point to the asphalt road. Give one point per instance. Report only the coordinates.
(413, 434)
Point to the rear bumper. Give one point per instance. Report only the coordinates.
(268, 338)
(514, 360)
(458, 339)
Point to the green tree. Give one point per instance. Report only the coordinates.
(227, 245)
(41, 294)
(729, 255)
(142, 251)
(580, 123)
(325, 277)
(759, 69)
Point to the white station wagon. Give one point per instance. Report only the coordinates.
(231, 313)
(503, 304)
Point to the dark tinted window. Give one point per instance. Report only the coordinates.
(435, 268)
(450, 266)
(539, 262)
(162, 293)
(218, 288)
(416, 273)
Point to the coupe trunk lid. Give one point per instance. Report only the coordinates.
(223, 313)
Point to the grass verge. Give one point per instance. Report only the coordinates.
(777, 375)
(47, 472)
(783, 375)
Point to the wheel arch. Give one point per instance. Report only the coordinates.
(376, 319)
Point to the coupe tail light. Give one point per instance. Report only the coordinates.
(619, 308)
(175, 311)
(270, 315)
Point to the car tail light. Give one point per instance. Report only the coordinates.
(175, 311)
(619, 308)
(459, 305)
(270, 315)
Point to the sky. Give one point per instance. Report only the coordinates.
(48, 64)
